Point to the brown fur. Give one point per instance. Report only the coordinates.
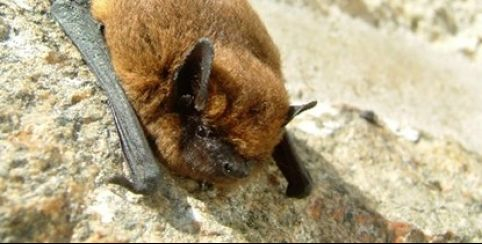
(247, 100)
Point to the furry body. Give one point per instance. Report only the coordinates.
(248, 104)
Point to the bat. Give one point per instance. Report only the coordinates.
(201, 78)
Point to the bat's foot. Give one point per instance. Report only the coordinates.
(145, 187)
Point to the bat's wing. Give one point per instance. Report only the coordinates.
(299, 180)
(75, 18)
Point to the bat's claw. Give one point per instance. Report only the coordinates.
(145, 187)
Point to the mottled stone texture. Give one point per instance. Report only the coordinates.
(383, 176)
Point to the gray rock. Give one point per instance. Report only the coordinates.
(4, 30)
(58, 145)
(419, 84)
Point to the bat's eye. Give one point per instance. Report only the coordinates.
(228, 168)
(203, 131)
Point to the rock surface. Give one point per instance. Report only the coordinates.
(394, 73)
(408, 172)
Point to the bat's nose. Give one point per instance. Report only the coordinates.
(236, 169)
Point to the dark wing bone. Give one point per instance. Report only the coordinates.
(77, 22)
(299, 180)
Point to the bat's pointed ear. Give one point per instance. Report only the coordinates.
(192, 78)
(295, 110)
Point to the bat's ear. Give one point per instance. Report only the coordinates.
(298, 109)
(192, 78)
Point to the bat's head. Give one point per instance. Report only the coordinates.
(232, 112)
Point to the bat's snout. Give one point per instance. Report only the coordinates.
(236, 169)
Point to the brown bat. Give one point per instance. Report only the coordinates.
(205, 80)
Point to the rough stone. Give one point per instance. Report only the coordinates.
(454, 26)
(4, 30)
(375, 178)
(393, 73)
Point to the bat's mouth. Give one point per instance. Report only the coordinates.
(211, 157)
(221, 161)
